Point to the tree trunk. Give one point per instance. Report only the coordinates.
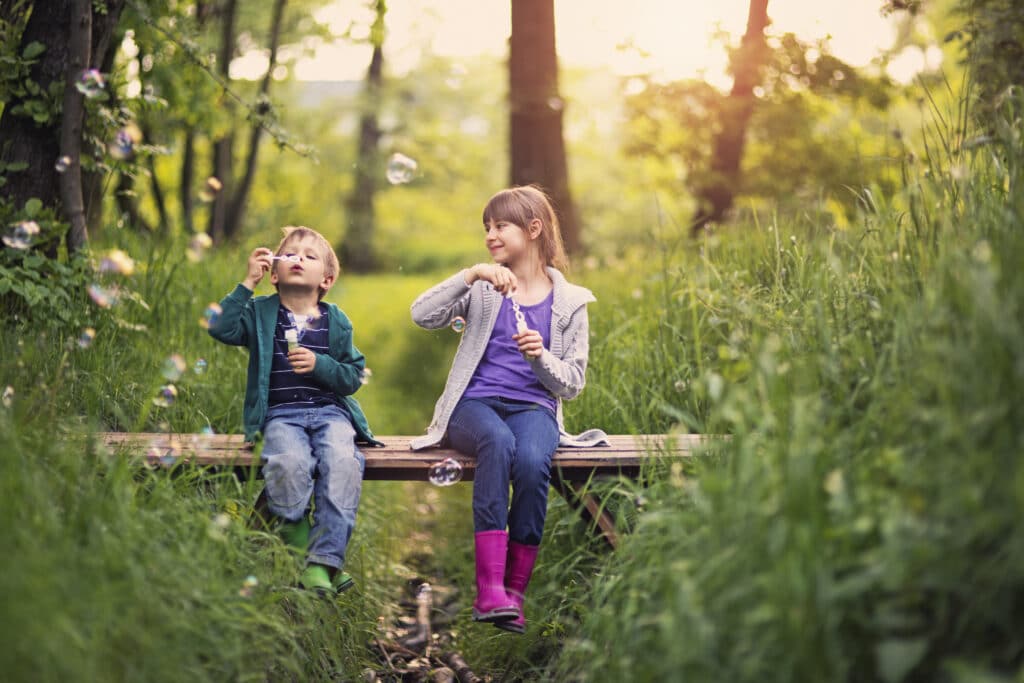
(188, 172)
(79, 47)
(223, 148)
(356, 251)
(716, 196)
(536, 144)
(237, 206)
(105, 41)
(24, 141)
(39, 145)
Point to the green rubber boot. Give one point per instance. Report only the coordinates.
(342, 581)
(296, 534)
(316, 578)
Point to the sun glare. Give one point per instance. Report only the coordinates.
(665, 38)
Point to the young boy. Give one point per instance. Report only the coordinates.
(303, 368)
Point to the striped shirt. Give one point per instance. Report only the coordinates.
(287, 388)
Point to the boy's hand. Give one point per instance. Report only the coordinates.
(531, 344)
(260, 262)
(503, 279)
(302, 359)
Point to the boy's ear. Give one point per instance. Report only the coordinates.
(273, 273)
(534, 228)
(327, 282)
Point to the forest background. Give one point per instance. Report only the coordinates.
(817, 260)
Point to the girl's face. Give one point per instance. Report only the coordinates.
(509, 243)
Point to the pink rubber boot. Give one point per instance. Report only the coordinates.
(518, 570)
(492, 604)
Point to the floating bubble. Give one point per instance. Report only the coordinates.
(210, 189)
(86, 337)
(8, 396)
(364, 378)
(166, 396)
(21, 234)
(123, 145)
(165, 454)
(210, 316)
(445, 473)
(63, 164)
(458, 323)
(197, 246)
(117, 261)
(173, 367)
(90, 83)
(200, 366)
(103, 297)
(248, 586)
(401, 169)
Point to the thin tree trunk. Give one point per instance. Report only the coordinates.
(105, 41)
(356, 251)
(536, 144)
(79, 47)
(716, 196)
(223, 148)
(188, 171)
(237, 207)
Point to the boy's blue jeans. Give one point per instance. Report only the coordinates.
(512, 441)
(311, 453)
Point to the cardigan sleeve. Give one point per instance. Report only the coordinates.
(436, 307)
(236, 321)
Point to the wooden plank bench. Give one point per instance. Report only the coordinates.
(571, 467)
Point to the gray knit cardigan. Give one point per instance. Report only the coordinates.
(561, 368)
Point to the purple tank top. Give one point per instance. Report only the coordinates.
(503, 371)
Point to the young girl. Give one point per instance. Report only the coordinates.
(523, 351)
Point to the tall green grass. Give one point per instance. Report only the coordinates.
(863, 521)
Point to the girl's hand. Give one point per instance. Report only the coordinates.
(260, 262)
(531, 344)
(503, 279)
(302, 359)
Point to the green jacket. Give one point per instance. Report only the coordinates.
(249, 321)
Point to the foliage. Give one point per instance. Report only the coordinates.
(992, 37)
(818, 126)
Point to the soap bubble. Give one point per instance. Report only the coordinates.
(8, 396)
(210, 189)
(173, 367)
(458, 323)
(200, 366)
(123, 145)
(197, 246)
(117, 261)
(210, 316)
(90, 83)
(166, 396)
(445, 472)
(165, 454)
(248, 586)
(364, 377)
(63, 164)
(103, 297)
(401, 169)
(21, 234)
(86, 337)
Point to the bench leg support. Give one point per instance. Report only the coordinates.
(588, 508)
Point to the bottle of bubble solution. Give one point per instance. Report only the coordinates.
(292, 337)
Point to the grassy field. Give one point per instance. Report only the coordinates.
(862, 524)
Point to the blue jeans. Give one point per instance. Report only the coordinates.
(512, 441)
(311, 453)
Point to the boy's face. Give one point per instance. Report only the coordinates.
(309, 271)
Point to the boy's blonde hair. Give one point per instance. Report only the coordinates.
(522, 204)
(299, 232)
